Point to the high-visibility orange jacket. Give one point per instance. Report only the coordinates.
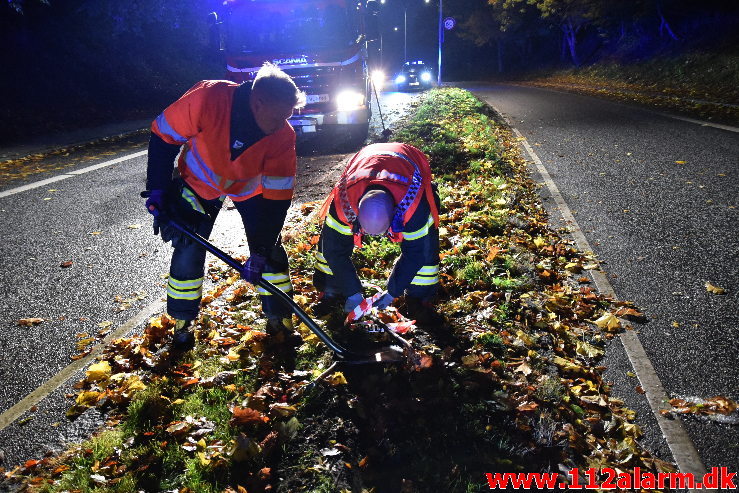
(391, 165)
(415, 225)
(202, 121)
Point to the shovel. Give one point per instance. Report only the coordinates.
(388, 355)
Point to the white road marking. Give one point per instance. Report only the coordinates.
(683, 450)
(64, 176)
(66, 373)
(702, 123)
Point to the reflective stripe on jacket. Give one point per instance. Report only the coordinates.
(200, 120)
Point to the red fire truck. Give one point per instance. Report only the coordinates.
(321, 44)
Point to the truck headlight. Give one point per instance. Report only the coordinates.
(349, 100)
(400, 79)
(426, 77)
(378, 79)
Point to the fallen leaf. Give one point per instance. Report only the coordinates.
(608, 321)
(337, 379)
(99, 371)
(524, 368)
(528, 406)
(68, 263)
(714, 289)
(88, 398)
(243, 416)
(30, 321)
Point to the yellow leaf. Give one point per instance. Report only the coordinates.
(284, 410)
(301, 299)
(608, 321)
(88, 398)
(679, 162)
(337, 379)
(99, 371)
(588, 350)
(566, 364)
(134, 226)
(714, 289)
(539, 242)
(203, 459)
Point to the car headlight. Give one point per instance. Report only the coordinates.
(349, 100)
(400, 79)
(426, 77)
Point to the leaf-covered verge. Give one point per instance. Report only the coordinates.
(704, 85)
(510, 383)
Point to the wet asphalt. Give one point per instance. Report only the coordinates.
(80, 252)
(658, 200)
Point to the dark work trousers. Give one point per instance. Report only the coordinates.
(185, 286)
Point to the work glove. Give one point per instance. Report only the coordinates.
(155, 206)
(252, 270)
(352, 302)
(154, 201)
(385, 301)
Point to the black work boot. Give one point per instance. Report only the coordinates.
(183, 339)
(328, 305)
(423, 312)
(281, 332)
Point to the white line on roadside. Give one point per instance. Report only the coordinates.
(70, 174)
(683, 450)
(66, 373)
(702, 123)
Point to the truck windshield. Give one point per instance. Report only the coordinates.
(273, 26)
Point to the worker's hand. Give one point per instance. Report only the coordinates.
(154, 202)
(353, 301)
(252, 270)
(385, 301)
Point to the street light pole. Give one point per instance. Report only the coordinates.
(405, 34)
(441, 40)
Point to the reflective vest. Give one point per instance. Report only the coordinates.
(400, 168)
(201, 121)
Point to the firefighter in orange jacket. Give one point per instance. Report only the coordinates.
(233, 140)
(386, 189)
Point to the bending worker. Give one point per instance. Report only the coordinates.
(236, 142)
(386, 189)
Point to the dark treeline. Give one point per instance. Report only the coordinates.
(76, 63)
(525, 35)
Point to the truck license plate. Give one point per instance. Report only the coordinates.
(316, 98)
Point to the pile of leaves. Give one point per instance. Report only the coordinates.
(510, 383)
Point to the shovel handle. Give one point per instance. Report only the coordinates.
(341, 352)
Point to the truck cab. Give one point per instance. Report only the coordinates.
(321, 44)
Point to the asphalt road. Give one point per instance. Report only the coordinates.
(79, 253)
(657, 198)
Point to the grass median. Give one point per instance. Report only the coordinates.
(511, 383)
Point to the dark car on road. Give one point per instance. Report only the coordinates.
(414, 76)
